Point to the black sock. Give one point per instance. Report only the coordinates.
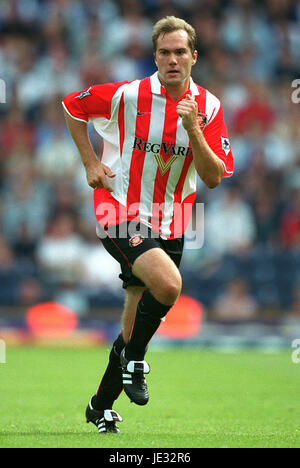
(111, 384)
(147, 321)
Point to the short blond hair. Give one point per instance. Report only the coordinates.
(170, 24)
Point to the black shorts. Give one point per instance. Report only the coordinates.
(126, 247)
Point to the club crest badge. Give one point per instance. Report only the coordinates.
(135, 240)
(202, 119)
(225, 145)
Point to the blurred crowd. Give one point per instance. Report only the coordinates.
(249, 57)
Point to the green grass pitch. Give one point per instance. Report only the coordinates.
(198, 398)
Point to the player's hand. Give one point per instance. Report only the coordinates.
(97, 174)
(187, 109)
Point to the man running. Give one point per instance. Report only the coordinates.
(158, 133)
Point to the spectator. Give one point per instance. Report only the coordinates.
(55, 155)
(235, 304)
(26, 199)
(132, 26)
(266, 214)
(94, 277)
(8, 273)
(256, 111)
(290, 223)
(295, 308)
(229, 224)
(25, 243)
(30, 292)
(60, 252)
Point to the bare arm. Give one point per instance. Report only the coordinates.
(207, 164)
(96, 172)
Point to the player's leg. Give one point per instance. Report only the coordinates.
(160, 274)
(111, 384)
(155, 298)
(162, 278)
(132, 296)
(108, 391)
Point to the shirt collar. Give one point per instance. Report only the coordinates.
(157, 88)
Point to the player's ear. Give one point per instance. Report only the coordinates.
(195, 56)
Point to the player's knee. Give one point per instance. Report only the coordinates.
(151, 308)
(168, 290)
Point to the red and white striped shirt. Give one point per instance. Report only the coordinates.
(147, 147)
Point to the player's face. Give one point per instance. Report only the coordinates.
(174, 58)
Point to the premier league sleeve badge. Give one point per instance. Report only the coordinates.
(225, 145)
